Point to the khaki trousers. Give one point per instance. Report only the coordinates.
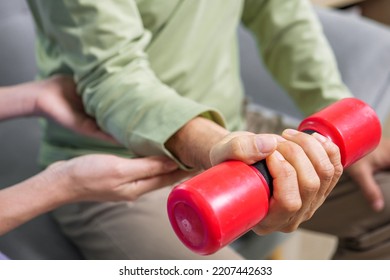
(127, 230)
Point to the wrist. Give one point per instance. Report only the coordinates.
(59, 183)
(29, 93)
(36, 90)
(193, 142)
(18, 100)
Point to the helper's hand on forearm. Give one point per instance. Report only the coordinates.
(85, 178)
(112, 178)
(58, 100)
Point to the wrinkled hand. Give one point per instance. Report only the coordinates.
(305, 168)
(362, 172)
(59, 101)
(111, 178)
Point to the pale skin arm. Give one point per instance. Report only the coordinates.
(305, 168)
(112, 179)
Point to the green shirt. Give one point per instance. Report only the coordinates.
(144, 68)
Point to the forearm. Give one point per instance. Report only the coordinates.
(28, 199)
(18, 100)
(193, 142)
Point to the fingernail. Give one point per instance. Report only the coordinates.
(320, 137)
(171, 165)
(378, 205)
(266, 144)
(290, 131)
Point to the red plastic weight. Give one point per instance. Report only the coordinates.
(351, 124)
(212, 209)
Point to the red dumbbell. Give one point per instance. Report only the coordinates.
(212, 209)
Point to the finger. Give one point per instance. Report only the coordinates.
(371, 190)
(319, 159)
(309, 183)
(133, 190)
(285, 201)
(334, 156)
(324, 155)
(249, 148)
(144, 168)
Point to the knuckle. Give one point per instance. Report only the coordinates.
(333, 149)
(309, 215)
(236, 148)
(291, 206)
(287, 171)
(312, 184)
(338, 170)
(305, 140)
(327, 172)
(293, 148)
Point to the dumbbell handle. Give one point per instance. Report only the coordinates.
(212, 209)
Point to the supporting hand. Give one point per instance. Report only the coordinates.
(57, 99)
(362, 172)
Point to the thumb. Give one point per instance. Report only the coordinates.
(249, 148)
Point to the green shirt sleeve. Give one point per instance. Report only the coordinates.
(103, 44)
(295, 51)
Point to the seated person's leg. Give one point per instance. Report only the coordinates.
(133, 230)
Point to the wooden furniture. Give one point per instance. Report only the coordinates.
(336, 3)
(378, 10)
